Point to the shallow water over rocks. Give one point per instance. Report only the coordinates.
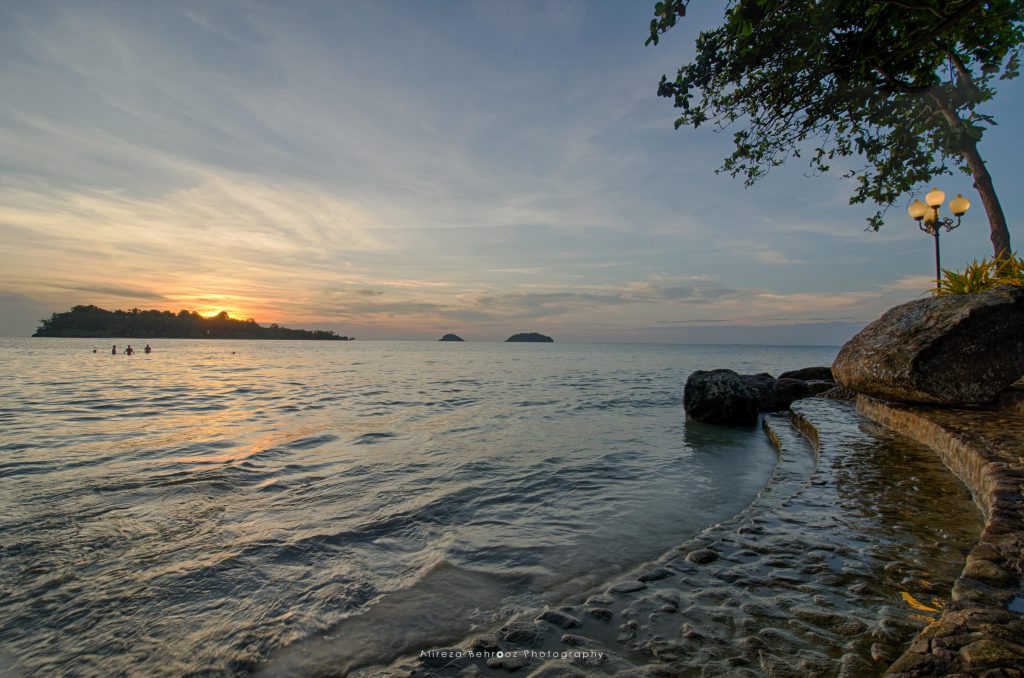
(832, 571)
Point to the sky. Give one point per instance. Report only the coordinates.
(400, 170)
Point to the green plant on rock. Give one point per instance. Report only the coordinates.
(982, 276)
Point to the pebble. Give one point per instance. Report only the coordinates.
(559, 619)
(657, 574)
(520, 633)
(702, 556)
(627, 586)
(557, 669)
(511, 661)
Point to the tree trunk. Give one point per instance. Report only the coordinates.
(1000, 233)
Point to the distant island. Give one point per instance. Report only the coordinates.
(531, 336)
(94, 322)
(451, 337)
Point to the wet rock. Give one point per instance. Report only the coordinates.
(988, 572)
(648, 671)
(720, 397)
(782, 394)
(628, 586)
(852, 666)
(989, 653)
(961, 349)
(840, 624)
(559, 619)
(488, 643)
(509, 661)
(819, 387)
(689, 632)
(809, 374)
(911, 664)
(600, 613)
(572, 639)
(442, 657)
(557, 669)
(657, 574)
(600, 599)
(837, 393)
(520, 633)
(702, 556)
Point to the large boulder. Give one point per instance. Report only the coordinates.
(809, 374)
(955, 350)
(775, 395)
(720, 397)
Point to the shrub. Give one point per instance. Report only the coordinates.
(982, 276)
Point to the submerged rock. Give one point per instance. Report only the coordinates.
(559, 619)
(720, 397)
(702, 556)
(451, 337)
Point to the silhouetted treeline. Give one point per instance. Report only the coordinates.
(93, 321)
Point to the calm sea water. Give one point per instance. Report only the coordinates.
(216, 505)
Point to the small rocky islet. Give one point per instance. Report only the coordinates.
(531, 337)
(451, 337)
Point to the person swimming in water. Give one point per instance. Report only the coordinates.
(129, 350)
(113, 350)
(147, 349)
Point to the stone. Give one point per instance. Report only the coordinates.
(720, 397)
(987, 572)
(510, 661)
(775, 395)
(557, 669)
(809, 374)
(818, 387)
(559, 619)
(951, 350)
(573, 639)
(837, 393)
(487, 643)
(702, 556)
(451, 337)
(987, 653)
(657, 574)
(442, 657)
(520, 633)
(628, 586)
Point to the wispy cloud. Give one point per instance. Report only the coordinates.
(479, 165)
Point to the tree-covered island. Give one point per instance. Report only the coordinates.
(93, 321)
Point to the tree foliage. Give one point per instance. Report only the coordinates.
(898, 83)
(93, 321)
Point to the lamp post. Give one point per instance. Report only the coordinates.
(926, 214)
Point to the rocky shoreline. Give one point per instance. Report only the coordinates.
(981, 631)
(850, 562)
(814, 578)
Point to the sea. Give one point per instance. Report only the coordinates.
(213, 506)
